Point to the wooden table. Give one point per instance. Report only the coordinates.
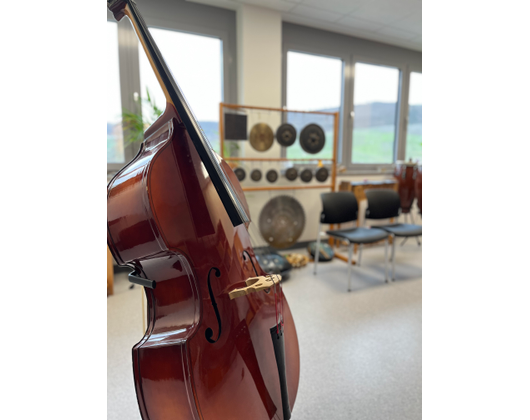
(358, 188)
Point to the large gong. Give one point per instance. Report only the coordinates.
(282, 221)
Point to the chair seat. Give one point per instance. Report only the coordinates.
(402, 229)
(359, 235)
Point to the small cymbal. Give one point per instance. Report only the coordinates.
(261, 137)
(240, 173)
(291, 174)
(306, 175)
(322, 174)
(272, 175)
(255, 175)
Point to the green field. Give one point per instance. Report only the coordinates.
(370, 145)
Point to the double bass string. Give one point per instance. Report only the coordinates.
(258, 241)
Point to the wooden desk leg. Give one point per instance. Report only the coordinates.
(110, 274)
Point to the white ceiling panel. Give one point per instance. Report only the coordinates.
(279, 5)
(359, 24)
(394, 22)
(384, 11)
(410, 23)
(397, 33)
(338, 6)
(318, 14)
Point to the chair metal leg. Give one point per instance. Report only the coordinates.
(386, 260)
(393, 258)
(350, 256)
(418, 240)
(317, 250)
(404, 240)
(360, 253)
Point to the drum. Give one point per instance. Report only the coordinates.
(406, 173)
(417, 188)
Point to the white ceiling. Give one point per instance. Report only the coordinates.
(395, 22)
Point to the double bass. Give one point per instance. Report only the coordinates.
(220, 342)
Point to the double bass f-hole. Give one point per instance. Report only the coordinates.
(209, 331)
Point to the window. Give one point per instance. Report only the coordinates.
(196, 64)
(314, 83)
(414, 122)
(375, 102)
(115, 153)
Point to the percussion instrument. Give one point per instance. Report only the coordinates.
(286, 135)
(291, 174)
(261, 137)
(255, 175)
(312, 138)
(240, 173)
(306, 175)
(417, 188)
(405, 173)
(322, 174)
(272, 175)
(282, 221)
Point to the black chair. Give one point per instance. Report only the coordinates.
(385, 204)
(342, 207)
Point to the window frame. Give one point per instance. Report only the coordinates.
(320, 53)
(410, 69)
(194, 20)
(350, 49)
(347, 152)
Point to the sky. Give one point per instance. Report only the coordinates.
(415, 89)
(313, 82)
(195, 62)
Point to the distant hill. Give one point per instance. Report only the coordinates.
(367, 115)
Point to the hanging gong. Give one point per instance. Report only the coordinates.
(291, 174)
(255, 175)
(261, 137)
(312, 138)
(282, 221)
(286, 135)
(272, 175)
(306, 175)
(322, 174)
(240, 173)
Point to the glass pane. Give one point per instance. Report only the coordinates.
(314, 83)
(414, 127)
(375, 108)
(196, 64)
(114, 129)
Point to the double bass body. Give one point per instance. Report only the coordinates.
(203, 355)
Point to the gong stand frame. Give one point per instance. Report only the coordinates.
(332, 161)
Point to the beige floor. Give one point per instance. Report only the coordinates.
(360, 351)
